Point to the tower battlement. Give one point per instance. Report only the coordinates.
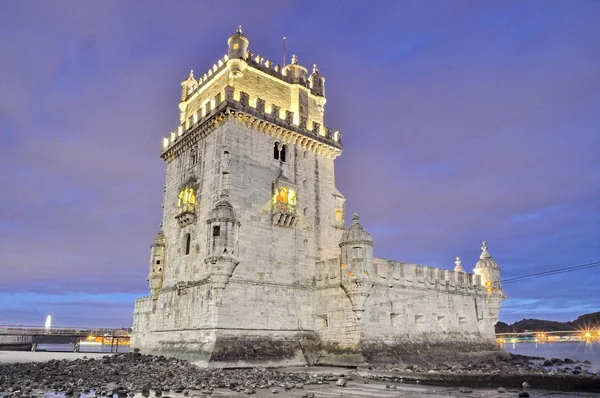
(279, 123)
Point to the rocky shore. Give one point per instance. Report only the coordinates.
(123, 375)
(509, 371)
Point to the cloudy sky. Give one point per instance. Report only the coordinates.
(462, 121)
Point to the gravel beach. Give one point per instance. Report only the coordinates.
(27, 374)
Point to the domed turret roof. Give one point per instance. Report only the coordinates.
(486, 260)
(223, 210)
(238, 35)
(356, 233)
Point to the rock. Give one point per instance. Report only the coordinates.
(341, 382)
(501, 389)
(525, 385)
(523, 394)
(547, 363)
(275, 391)
(249, 391)
(465, 390)
(568, 360)
(308, 395)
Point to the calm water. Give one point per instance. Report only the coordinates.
(82, 348)
(579, 351)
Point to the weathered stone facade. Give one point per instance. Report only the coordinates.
(253, 264)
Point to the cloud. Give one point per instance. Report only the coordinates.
(461, 123)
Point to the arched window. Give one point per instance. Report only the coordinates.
(283, 153)
(276, 151)
(188, 243)
(193, 157)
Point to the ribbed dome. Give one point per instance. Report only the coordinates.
(356, 233)
(223, 210)
(486, 260)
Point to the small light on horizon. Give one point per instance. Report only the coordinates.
(48, 322)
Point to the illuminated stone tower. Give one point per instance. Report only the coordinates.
(249, 206)
(252, 263)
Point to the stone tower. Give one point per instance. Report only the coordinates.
(250, 204)
(252, 264)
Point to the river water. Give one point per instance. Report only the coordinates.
(576, 350)
(83, 348)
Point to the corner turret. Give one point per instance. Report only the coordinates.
(188, 85)
(489, 271)
(157, 265)
(238, 45)
(316, 82)
(222, 246)
(357, 265)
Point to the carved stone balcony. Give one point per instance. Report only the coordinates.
(186, 215)
(284, 215)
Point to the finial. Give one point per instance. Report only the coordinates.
(355, 217)
(294, 59)
(484, 251)
(191, 76)
(315, 70)
(224, 194)
(239, 29)
(458, 265)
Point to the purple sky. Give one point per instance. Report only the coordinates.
(462, 121)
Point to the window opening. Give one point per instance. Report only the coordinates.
(188, 243)
(358, 253)
(283, 153)
(276, 151)
(216, 230)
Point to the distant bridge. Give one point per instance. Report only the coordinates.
(26, 338)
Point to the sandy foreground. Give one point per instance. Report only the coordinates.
(356, 387)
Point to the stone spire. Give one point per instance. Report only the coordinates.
(458, 265)
(484, 251)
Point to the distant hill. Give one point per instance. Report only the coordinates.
(534, 325)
